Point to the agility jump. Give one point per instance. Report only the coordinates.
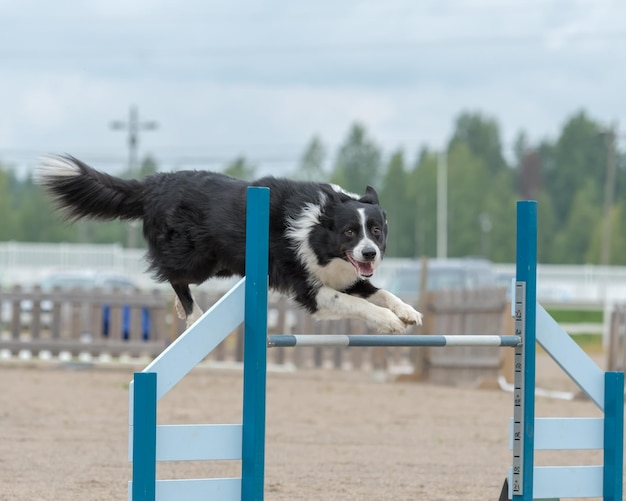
(247, 303)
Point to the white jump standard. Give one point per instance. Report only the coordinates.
(247, 303)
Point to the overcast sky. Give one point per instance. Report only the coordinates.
(260, 79)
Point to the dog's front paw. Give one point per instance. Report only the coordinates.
(408, 314)
(387, 322)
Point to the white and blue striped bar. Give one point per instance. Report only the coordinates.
(328, 340)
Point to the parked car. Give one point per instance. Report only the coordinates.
(87, 280)
(455, 273)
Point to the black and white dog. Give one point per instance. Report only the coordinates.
(324, 243)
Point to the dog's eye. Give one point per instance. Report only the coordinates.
(350, 233)
(376, 231)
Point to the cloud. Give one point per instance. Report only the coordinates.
(228, 78)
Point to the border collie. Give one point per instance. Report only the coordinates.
(324, 243)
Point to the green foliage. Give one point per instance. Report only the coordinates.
(566, 176)
(618, 237)
(240, 169)
(482, 136)
(423, 198)
(311, 167)
(28, 215)
(467, 179)
(148, 166)
(547, 228)
(7, 218)
(577, 159)
(577, 316)
(590, 343)
(573, 240)
(358, 162)
(395, 199)
(481, 203)
(499, 205)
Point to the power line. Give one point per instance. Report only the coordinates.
(169, 158)
(133, 126)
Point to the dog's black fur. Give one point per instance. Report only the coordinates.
(324, 243)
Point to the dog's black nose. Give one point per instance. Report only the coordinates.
(369, 253)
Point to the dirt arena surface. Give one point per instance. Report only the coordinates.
(330, 435)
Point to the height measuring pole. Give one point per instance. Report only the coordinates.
(524, 377)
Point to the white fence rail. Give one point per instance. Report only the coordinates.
(26, 263)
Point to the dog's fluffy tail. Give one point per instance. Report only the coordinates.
(81, 191)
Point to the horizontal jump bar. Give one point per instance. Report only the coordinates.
(389, 340)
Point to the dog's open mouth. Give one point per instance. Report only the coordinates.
(364, 268)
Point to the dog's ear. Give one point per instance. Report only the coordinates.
(370, 197)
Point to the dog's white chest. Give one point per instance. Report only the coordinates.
(338, 274)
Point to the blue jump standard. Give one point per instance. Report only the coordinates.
(255, 349)
(283, 340)
(524, 393)
(144, 436)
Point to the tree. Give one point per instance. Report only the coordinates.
(578, 156)
(468, 184)
(566, 176)
(499, 205)
(546, 227)
(6, 209)
(422, 192)
(358, 162)
(618, 237)
(573, 242)
(481, 207)
(240, 169)
(148, 166)
(311, 167)
(37, 222)
(482, 136)
(395, 200)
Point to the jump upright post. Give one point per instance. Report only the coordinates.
(149, 443)
(524, 365)
(526, 481)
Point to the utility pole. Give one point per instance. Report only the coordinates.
(442, 204)
(609, 193)
(486, 225)
(133, 126)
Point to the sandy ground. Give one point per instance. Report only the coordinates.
(330, 435)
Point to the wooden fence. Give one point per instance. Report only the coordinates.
(116, 323)
(83, 321)
(478, 311)
(467, 311)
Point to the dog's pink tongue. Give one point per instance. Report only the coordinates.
(366, 269)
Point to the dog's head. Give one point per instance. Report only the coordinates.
(341, 239)
(358, 230)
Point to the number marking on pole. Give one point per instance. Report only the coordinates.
(518, 391)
